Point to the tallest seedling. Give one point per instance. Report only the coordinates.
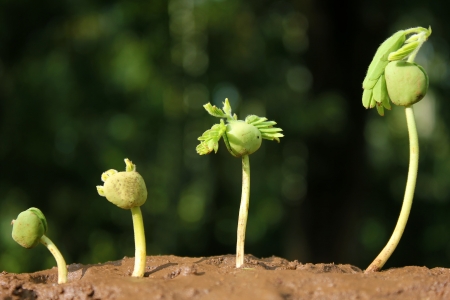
(242, 138)
(393, 76)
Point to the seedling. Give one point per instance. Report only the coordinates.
(393, 76)
(29, 230)
(241, 138)
(127, 190)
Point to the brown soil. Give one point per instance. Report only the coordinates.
(172, 277)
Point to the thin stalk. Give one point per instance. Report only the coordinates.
(243, 211)
(139, 240)
(61, 263)
(381, 259)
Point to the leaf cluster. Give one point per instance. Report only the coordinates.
(209, 141)
(396, 47)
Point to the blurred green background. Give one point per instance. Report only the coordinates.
(84, 84)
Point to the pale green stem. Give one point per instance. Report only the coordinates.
(381, 259)
(62, 267)
(139, 240)
(243, 211)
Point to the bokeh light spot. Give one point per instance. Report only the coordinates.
(191, 208)
(299, 79)
(122, 127)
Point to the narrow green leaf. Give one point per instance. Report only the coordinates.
(216, 147)
(367, 95)
(369, 84)
(404, 51)
(412, 38)
(266, 128)
(379, 61)
(259, 122)
(376, 94)
(387, 103)
(370, 81)
(393, 43)
(380, 93)
(253, 119)
(214, 111)
(271, 129)
(383, 89)
(385, 100)
(372, 102)
(380, 109)
(272, 136)
(265, 124)
(227, 107)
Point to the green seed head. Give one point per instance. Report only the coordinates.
(407, 83)
(242, 138)
(124, 189)
(29, 227)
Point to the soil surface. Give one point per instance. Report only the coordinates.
(172, 277)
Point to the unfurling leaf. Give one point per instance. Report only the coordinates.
(210, 139)
(240, 137)
(404, 51)
(268, 132)
(227, 108)
(395, 48)
(380, 61)
(214, 111)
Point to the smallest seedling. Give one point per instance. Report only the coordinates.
(29, 230)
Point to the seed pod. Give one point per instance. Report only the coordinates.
(407, 83)
(242, 138)
(125, 189)
(29, 227)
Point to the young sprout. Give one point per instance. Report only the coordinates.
(29, 230)
(127, 190)
(241, 138)
(393, 76)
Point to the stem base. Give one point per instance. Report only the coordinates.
(243, 211)
(62, 267)
(139, 240)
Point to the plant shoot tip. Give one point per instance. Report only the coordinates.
(130, 167)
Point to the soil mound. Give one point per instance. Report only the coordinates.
(172, 277)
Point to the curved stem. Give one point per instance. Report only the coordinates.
(62, 267)
(139, 240)
(243, 211)
(381, 259)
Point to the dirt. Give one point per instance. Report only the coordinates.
(172, 277)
